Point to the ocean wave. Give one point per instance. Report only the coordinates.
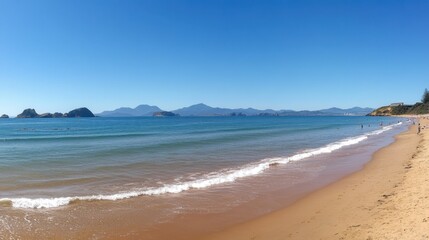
(215, 178)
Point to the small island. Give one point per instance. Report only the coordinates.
(28, 113)
(239, 114)
(76, 113)
(4, 116)
(79, 112)
(164, 114)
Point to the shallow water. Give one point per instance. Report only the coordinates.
(116, 158)
(58, 170)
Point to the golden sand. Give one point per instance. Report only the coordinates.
(388, 199)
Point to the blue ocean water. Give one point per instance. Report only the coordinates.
(51, 162)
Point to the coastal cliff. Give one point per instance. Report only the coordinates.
(416, 109)
(401, 109)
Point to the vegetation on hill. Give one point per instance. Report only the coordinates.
(425, 97)
(401, 109)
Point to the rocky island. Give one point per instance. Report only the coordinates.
(164, 114)
(79, 112)
(28, 113)
(4, 116)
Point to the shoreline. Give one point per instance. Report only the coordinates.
(345, 209)
(195, 225)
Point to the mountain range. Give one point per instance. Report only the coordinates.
(139, 111)
(204, 110)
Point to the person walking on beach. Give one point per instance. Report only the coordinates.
(418, 129)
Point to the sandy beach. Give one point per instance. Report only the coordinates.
(192, 213)
(214, 120)
(388, 199)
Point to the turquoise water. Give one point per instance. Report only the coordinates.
(48, 163)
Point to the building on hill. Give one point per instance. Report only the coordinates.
(396, 104)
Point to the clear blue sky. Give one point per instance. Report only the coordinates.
(59, 55)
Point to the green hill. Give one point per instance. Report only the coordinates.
(416, 109)
(401, 109)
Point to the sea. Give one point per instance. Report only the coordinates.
(191, 165)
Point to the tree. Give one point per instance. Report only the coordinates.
(425, 97)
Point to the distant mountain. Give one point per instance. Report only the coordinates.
(139, 111)
(202, 109)
(355, 111)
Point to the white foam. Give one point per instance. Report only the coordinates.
(216, 178)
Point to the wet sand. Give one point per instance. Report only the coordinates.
(388, 199)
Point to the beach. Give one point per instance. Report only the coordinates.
(387, 199)
(181, 178)
(214, 120)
